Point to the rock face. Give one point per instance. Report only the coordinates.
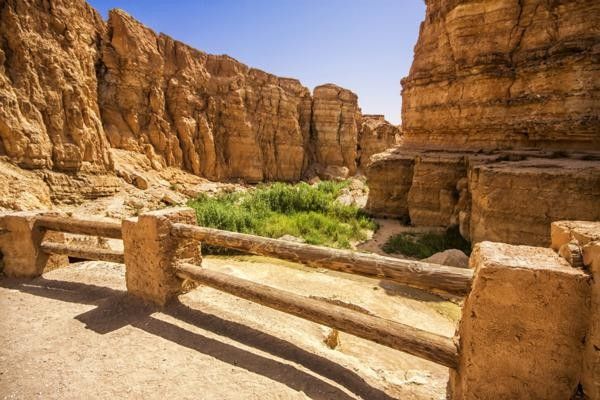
(487, 77)
(72, 86)
(375, 135)
(496, 74)
(335, 125)
(211, 115)
(49, 116)
(516, 202)
(509, 197)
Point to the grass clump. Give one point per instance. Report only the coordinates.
(425, 245)
(301, 210)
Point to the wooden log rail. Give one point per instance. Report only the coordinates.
(432, 277)
(429, 346)
(85, 253)
(80, 226)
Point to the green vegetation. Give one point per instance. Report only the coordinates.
(425, 245)
(301, 210)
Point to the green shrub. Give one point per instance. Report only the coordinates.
(301, 210)
(425, 245)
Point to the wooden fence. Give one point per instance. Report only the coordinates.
(432, 277)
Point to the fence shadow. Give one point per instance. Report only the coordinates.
(116, 309)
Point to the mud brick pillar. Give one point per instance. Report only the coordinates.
(151, 251)
(20, 241)
(523, 326)
(582, 238)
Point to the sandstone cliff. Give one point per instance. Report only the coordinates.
(497, 74)
(72, 86)
(494, 75)
(49, 116)
(375, 135)
(503, 196)
(211, 115)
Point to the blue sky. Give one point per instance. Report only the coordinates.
(363, 45)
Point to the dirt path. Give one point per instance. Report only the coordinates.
(75, 334)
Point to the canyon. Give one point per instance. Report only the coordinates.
(499, 108)
(75, 86)
(501, 122)
(108, 119)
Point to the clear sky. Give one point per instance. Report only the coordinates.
(363, 45)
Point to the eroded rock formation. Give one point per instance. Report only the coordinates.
(497, 74)
(73, 85)
(335, 125)
(503, 196)
(375, 135)
(211, 115)
(49, 116)
(487, 77)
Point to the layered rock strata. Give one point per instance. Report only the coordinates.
(73, 85)
(488, 76)
(210, 115)
(375, 135)
(335, 127)
(509, 197)
(497, 74)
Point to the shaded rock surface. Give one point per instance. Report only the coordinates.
(509, 197)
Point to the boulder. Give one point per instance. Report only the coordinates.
(450, 257)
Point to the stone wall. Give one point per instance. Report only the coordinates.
(579, 241)
(523, 328)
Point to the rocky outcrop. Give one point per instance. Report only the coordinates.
(497, 74)
(335, 127)
(72, 86)
(515, 202)
(487, 77)
(509, 197)
(49, 116)
(375, 135)
(210, 115)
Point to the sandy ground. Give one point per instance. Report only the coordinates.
(75, 334)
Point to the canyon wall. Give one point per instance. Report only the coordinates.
(210, 115)
(496, 74)
(49, 115)
(73, 85)
(502, 196)
(500, 121)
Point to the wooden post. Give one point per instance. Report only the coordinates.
(398, 336)
(20, 239)
(432, 277)
(151, 252)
